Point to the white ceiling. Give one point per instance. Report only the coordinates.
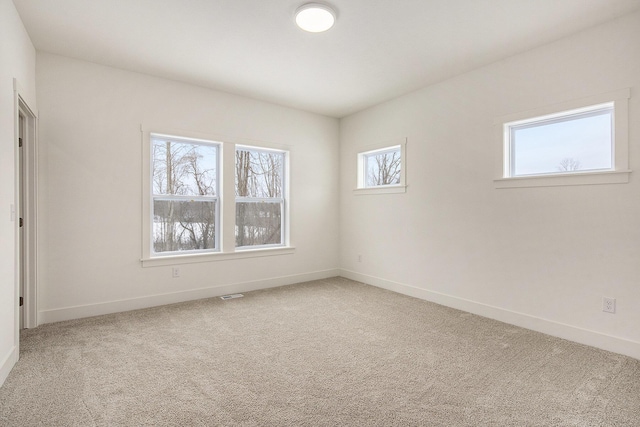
(378, 49)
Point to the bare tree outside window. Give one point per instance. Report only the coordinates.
(383, 168)
(259, 197)
(184, 195)
(569, 164)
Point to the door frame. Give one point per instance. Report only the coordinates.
(26, 247)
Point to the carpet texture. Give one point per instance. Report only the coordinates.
(325, 353)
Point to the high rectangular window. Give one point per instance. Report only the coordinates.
(583, 141)
(382, 169)
(185, 195)
(568, 142)
(260, 184)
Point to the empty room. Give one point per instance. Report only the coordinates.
(301, 213)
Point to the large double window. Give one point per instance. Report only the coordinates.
(192, 197)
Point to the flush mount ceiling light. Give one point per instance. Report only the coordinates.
(315, 17)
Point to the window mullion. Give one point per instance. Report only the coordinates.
(183, 198)
(259, 199)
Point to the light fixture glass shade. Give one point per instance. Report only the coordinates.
(315, 17)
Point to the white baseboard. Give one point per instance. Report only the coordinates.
(561, 330)
(89, 310)
(7, 364)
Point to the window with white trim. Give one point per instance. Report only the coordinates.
(185, 196)
(382, 169)
(568, 142)
(573, 143)
(260, 197)
(211, 200)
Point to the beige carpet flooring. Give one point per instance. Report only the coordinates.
(325, 353)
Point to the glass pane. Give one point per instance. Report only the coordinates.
(259, 173)
(184, 169)
(383, 168)
(183, 225)
(578, 144)
(258, 223)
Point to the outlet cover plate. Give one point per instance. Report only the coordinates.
(608, 305)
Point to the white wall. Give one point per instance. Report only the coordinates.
(90, 188)
(539, 257)
(542, 258)
(17, 61)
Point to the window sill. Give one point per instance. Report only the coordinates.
(215, 256)
(381, 190)
(592, 178)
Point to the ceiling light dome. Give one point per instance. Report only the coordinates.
(315, 17)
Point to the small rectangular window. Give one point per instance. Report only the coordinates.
(569, 142)
(185, 196)
(260, 197)
(381, 168)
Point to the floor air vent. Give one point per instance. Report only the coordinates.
(231, 296)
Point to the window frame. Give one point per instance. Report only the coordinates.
(178, 198)
(283, 200)
(226, 205)
(619, 172)
(562, 117)
(362, 156)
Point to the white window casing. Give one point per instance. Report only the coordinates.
(223, 198)
(607, 162)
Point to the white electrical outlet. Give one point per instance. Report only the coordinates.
(608, 305)
(175, 272)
